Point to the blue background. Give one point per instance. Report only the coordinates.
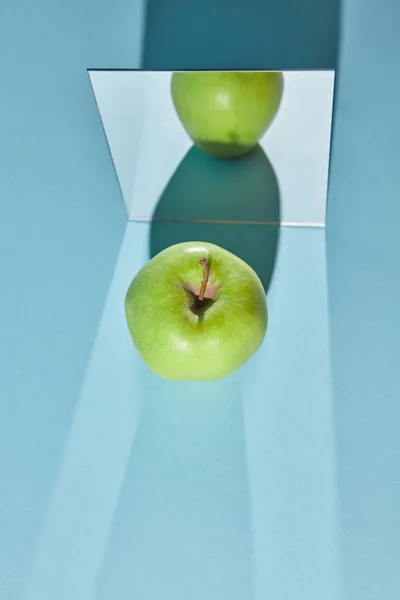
(281, 481)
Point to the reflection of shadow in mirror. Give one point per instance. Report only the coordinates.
(232, 203)
(182, 526)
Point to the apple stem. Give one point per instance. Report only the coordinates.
(206, 271)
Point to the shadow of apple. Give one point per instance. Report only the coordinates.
(232, 203)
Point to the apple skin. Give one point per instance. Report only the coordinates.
(177, 344)
(226, 113)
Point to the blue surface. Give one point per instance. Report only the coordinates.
(363, 248)
(279, 482)
(167, 490)
(61, 224)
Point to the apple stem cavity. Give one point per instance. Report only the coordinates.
(206, 272)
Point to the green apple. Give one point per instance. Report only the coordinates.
(226, 113)
(196, 312)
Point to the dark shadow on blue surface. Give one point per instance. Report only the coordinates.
(182, 527)
(238, 34)
(213, 200)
